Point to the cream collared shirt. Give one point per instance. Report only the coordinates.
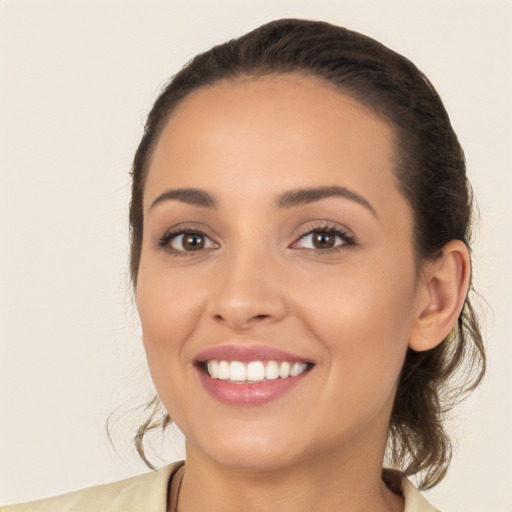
(148, 493)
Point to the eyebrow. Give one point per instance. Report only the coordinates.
(193, 196)
(301, 197)
(290, 199)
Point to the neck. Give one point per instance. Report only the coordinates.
(324, 484)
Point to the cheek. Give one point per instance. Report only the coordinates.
(363, 316)
(168, 310)
(364, 332)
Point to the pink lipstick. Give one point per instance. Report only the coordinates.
(249, 375)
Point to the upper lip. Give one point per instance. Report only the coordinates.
(247, 353)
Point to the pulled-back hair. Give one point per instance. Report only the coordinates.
(431, 175)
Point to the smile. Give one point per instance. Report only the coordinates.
(253, 371)
(250, 375)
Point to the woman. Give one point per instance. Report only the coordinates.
(300, 224)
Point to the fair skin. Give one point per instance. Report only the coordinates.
(330, 278)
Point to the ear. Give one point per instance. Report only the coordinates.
(443, 288)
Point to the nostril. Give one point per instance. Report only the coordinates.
(259, 317)
(243, 314)
(255, 317)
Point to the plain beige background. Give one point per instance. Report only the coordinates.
(77, 78)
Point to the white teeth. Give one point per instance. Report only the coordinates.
(297, 369)
(284, 370)
(223, 370)
(213, 369)
(272, 370)
(255, 371)
(237, 371)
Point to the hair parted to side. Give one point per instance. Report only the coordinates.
(431, 174)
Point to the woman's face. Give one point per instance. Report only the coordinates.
(276, 240)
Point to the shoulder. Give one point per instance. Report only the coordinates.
(149, 492)
(144, 492)
(414, 500)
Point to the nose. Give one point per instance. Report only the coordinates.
(248, 292)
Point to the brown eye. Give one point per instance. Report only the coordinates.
(193, 242)
(323, 240)
(189, 242)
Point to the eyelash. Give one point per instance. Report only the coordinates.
(164, 242)
(346, 238)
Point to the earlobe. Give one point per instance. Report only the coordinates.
(444, 287)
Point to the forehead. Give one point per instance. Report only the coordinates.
(284, 131)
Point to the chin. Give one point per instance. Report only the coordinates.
(248, 451)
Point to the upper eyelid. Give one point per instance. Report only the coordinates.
(180, 230)
(333, 231)
(326, 226)
(187, 228)
(314, 226)
(348, 238)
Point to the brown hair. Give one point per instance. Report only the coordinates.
(431, 174)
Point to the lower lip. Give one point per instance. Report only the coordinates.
(244, 394)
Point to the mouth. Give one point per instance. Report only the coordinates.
(249, 375)
(253, 372)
